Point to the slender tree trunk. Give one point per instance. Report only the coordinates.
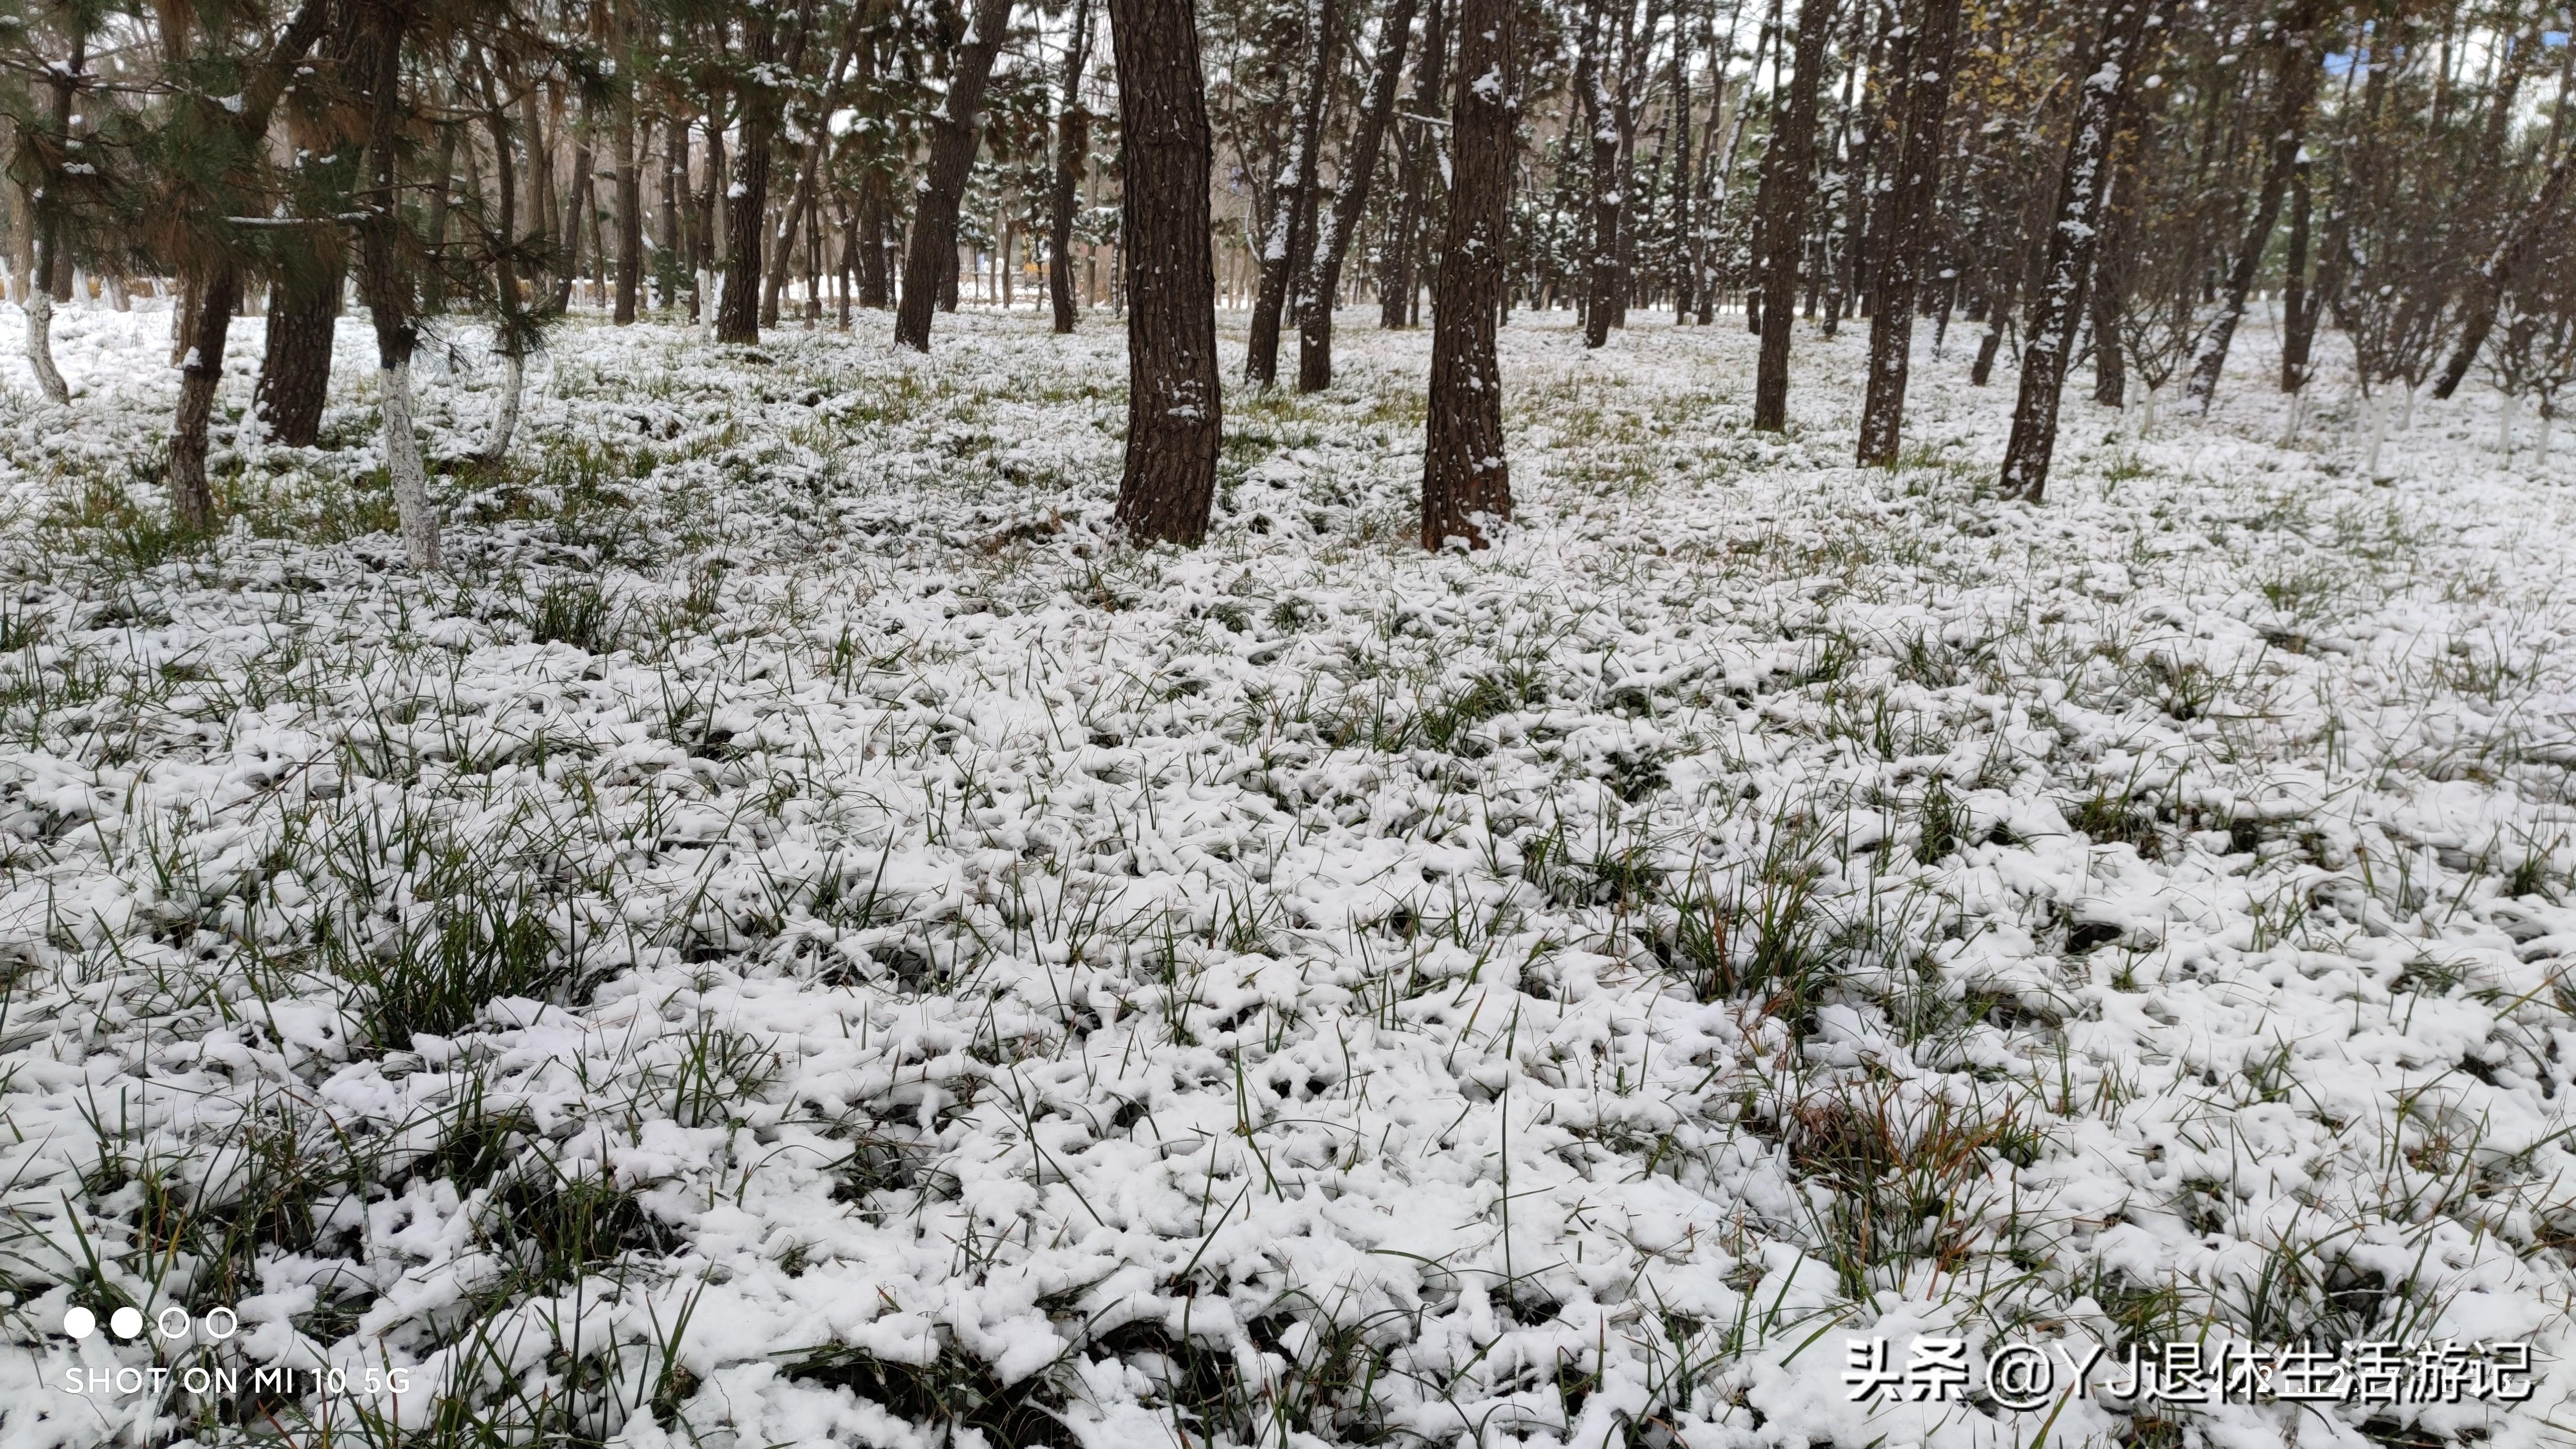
(675, 173)
(47, 207)
(2301, 70)
(1285, 250)
(511, 330)
(1789, 177)
(1359, 168)
(1072, 142)
(1685, 284)
(1398, 284)
(208, 320)
(803, 209)
(2298, 310)
(929, 263)
(1925, 53)
(2486, 284)
(387, 286)
(1466, 484)
(630, 208)
(442, 171)
(576, 214)
(1174, 397)
(1601, 137)
(2131, 33)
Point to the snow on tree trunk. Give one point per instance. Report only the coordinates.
(2300, 70)
(1315, 320)
(2504, 425)
(505, 412)
(1175, 398)
(1072, 141)
(2378, 436)
(1789, 176)
(403, 468)
(954, 132)
(1466, 483)
(40, 346)
(1906, 232)
(1289, 243)
(2130, 35)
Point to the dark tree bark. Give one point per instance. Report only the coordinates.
(803, 209)
(211, 287)
(2301, 69)
(2298, 308)
(930, 261)
(1290, 241)
(1465, 480)
(1636, 46)
(1315, 319)
(1788, 177)
(1925, 54)
(1072, 142)
(2115, 263)
(1679, 264)
(629, 184)
(747, 199)
(1397, 281)
(295, 366)
(2131, 33)
(1174, 397)
(575, 216)
(1763, 46)
(2486, 284)
(1601, 137)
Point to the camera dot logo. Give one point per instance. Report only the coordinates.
(126, 1322)
(80, 1322)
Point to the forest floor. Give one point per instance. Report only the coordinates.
(800, 937)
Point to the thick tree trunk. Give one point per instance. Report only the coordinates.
(2301, 70)
(1925, 54)
(1466, 484)
(295, 370)
(1072, 142)
(1174, 396)
(2131, 33)
(1284, 252)
(747, 199)
(1397, 281)
(1788, 177)
(930, 259)
(1359, 168)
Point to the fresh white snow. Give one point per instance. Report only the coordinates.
(954, 978)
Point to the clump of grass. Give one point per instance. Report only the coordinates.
(574, 612)
(471, 949)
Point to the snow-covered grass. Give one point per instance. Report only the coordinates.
(801, 937)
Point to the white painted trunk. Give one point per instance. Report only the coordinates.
(119, 293)
(2504, 425)
(2378, 435)
(2406, 418)
(505, 418)
(2540, 447)
(40, 346)
(2298, 418)
(2147, 414)
(708, 303)
(403, 466)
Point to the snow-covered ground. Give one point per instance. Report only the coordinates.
(803, 938)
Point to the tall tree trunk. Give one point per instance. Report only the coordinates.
(511, 330)
(2298, 309)
(576, 216)
(386, 284)
(747, 199)
(1679, 261)
(1174, 396)
(675, 173)
(1465, 481)
(1924, 54)
(1397, 283)
(295, 368)
(1601, 137)
(442, 171)
(2301, 68)
(1072, 142)
(1285, 250)
(1359, 168)
(1788, 177)
(930, 259)
(630, 205)
(47, 206)
(1635, 45)
(2131, 33)
(803, 209)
